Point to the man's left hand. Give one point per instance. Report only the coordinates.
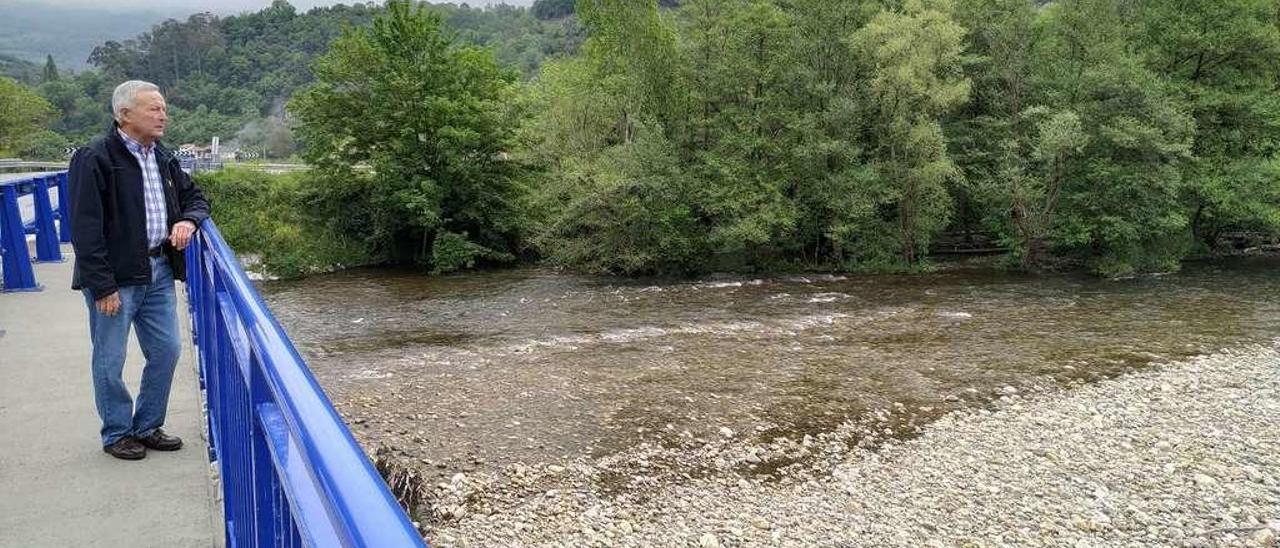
(181, 235)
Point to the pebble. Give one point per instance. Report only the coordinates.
(1182, 454)
(1264, 538)
(1204, 480)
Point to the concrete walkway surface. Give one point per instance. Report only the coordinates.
(57, 487)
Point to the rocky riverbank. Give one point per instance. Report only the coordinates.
(1185, 454)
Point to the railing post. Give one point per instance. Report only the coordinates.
(18, 274)
(196, 308)
(195, 281)
(64, 209)
(47, 250)
(230, 410)
(266, 488)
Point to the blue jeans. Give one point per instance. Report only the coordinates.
(153, 310)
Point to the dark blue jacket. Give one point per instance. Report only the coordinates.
(109, 218)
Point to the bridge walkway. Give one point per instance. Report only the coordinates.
(57, 487)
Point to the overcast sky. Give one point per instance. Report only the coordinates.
(216, 6)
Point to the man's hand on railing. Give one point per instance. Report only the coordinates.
(181, 234)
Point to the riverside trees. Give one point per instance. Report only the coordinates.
(1121, 135)
(752, 133)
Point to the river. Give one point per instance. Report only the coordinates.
(476, 371)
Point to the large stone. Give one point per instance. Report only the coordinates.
(1264, 538)
(709, 540)
(1204, 480)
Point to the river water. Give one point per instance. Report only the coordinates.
(476, 371)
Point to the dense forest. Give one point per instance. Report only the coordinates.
(639, 137)
(231, 76)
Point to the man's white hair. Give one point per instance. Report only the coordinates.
(126, 95)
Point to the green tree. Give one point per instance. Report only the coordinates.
(1223, 59)
(24, 117)
(915, 78)
(1014, 149)
(736, 61)
(631, 45)
(829, 179)
(603, 205)
(431, 120)
(50, 73)
(84, 112)
(615, 195)
(552, 9)
(202, 124)
(1120, 208)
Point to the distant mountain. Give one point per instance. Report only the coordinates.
(21, 70)
(31, 31)
(232, 7)
(70, 29)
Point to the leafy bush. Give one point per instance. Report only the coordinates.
(276, 222)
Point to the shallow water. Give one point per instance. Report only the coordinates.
(479, 370)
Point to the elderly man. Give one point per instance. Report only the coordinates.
(133, 211)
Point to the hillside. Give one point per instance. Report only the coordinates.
(31, 30)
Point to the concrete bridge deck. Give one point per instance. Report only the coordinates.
(57, 487)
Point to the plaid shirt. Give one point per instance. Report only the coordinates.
(152, 190)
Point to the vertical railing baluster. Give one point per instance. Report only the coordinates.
(18, 274)
(64, 209)
(47, 245)
(264, 480)
(223, 367)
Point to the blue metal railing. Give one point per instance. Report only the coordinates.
(291, 472)
(15, 260)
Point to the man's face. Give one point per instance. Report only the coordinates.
(147, 117)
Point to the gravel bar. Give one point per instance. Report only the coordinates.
(1184, 454)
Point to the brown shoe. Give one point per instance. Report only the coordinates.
(160, 441)
(126, 448)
